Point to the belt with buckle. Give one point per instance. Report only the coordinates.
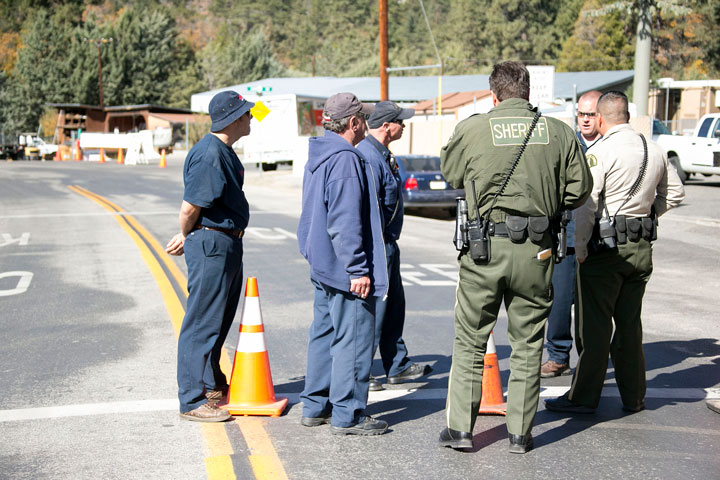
(226, 231)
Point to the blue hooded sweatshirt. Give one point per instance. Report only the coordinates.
(340, 230)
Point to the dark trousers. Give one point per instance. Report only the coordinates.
(339, 356)
(215, 277)
(559, 329)
(611, 286)
(390, 317)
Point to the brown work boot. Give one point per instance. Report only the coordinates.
(206, 413)
(214, 396)
(551, 369)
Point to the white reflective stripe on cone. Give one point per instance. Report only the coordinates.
(251, 342)
(251, 314)
(490, 345)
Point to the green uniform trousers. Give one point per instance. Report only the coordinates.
(611, 286)
(513, 275)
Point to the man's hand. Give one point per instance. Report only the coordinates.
(175, 245)
(360, 286)
(580, 260)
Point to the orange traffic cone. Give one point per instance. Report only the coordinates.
(251, 389)
(492, 401)
(102, 156)
(163, 163)
(120, 158)
(78, 151)
(58, 155)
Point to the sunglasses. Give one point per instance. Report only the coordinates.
(586, 114)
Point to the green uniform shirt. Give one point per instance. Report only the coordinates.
(552, 174)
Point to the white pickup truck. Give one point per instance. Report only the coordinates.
(699, 153)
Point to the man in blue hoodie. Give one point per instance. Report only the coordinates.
(340, 235)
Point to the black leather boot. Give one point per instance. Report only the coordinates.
(520, 443)
(454, 439)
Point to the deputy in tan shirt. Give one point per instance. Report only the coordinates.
(612, 279)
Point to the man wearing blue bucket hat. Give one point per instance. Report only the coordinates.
(213, 218)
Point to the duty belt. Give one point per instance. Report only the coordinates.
(233, 233)
(498, 230)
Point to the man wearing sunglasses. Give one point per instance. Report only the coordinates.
(559, 331)
(387, 125)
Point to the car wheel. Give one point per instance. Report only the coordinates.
(268, 167)
(675, 161)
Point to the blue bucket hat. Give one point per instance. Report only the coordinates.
(226, 107)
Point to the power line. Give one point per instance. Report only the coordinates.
(432, 37)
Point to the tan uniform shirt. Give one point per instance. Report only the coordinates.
(615, 163)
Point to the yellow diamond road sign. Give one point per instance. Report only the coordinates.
(259, 111)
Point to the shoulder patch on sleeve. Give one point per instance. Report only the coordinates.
(591, 160)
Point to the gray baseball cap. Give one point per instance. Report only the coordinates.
(342, 105)
(387, 111)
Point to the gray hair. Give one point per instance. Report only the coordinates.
(341, 124)
(337, 126)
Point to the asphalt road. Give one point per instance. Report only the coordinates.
(89, 316)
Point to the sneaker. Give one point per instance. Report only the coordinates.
(206, 413)
(564, 404)
(551, 369)
(214, 396)
(367, 426)
(315, 421)
(413, 372)
(375, 385)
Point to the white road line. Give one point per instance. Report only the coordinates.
(162, 405)
(104, 214)
(88, 409)
(703, 221)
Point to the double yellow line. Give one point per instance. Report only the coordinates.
(218, 450)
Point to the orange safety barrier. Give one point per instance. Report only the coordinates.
(492, 401)
(251, 390)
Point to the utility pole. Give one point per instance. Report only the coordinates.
(98, 43)
(643, 46)
(383, 50)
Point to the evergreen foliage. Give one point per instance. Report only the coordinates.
(163, 51)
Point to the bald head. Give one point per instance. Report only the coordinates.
(591, 97)
(586, 115)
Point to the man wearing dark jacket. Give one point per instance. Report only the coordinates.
(386, 125)
(340, 235)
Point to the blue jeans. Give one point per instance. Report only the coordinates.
(339, 356)
(390, 317)
(559, 334)
(215, 277)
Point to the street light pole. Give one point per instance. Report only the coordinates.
(98, 43)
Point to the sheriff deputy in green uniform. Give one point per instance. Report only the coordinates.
(515, 206)
(633, 184)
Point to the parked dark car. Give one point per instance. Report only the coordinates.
(422, 183)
